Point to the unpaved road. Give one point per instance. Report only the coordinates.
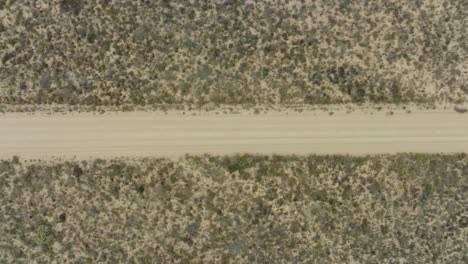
(173, 135)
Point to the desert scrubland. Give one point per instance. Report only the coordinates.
(406, 208)
(224, 131)
(193, 54)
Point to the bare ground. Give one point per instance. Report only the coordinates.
(138, 134)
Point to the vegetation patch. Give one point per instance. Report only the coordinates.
(44, 234)
(198, 53)
(236, 209)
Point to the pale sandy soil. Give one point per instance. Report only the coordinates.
(174, 134)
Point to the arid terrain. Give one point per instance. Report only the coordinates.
(140, 134)
(154, 187)
(197, 53)
(236, 209)
(233, 131)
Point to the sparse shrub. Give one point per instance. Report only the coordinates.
(72, 6)
(460, 110)
(77, 171)
(44, 234)
(15, 160)
(62, 217)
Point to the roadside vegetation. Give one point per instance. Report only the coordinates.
(460, 110)
(236, 209)
(224, 52)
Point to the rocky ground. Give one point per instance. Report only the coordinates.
(408, 208)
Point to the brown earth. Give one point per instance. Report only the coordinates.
(173, 135)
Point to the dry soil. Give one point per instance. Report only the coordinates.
(172, 135)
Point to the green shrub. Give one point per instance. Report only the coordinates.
(44, 234)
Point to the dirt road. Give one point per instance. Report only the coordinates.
(173, 135)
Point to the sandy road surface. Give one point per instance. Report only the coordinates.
(145, 134)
